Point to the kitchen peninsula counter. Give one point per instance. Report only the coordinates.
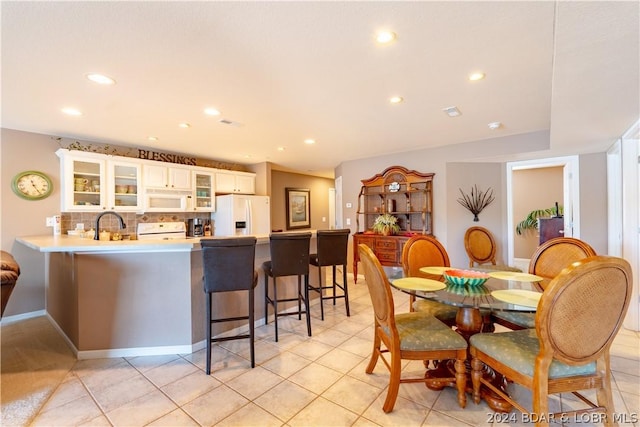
(137, 297)
(78, 244)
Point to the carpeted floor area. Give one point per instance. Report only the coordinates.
(35, 359)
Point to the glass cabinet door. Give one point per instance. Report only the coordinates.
(204, 192)
(124, 182)
(87, 185)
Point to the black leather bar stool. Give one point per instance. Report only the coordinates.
(289, 257)
(229, 266)
(332, 251)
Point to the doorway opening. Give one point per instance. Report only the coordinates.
(570, 200)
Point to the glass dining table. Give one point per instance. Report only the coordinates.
(499, 291)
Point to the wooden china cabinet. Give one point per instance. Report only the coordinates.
(405, 194)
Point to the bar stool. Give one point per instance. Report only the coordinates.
(289, 257)
(332, 251)
(229, 266)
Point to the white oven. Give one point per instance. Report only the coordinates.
(161, 230)
(163, 201)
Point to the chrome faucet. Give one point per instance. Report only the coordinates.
(122, 224)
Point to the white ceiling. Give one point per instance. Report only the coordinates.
(287, 71)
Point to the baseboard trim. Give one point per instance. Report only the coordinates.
(24, 316)
(139, 351)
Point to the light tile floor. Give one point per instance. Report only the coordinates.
(299, 381)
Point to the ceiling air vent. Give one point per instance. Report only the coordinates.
(229, 122)
(452, 111)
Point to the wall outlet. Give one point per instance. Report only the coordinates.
(348, 221)
(324, 219)
(348, 205)
(50, 221)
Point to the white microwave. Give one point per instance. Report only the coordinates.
(163, 201)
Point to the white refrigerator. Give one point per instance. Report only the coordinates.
(241, 215)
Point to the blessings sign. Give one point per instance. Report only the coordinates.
(141, 153)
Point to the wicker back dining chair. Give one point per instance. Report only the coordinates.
(480, 246)
(554, 255)
(425, 251)
(481, 249)
(548, 261)
(578, 317)
(413, 336)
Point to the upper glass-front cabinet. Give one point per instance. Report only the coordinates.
(124, 181)
(84, 181)
(204, 192)
(94, 184)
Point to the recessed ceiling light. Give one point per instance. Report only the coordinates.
(281, 148)
(452, 111)
(396, 99)
(184, 125)
(384, 37)
(101, 79)
(152, 138)
(211, 111)
(72, 111)
(494, 125)
(476, 76)
(247, 156)
(310, 141)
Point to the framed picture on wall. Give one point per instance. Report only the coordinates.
(298, 210)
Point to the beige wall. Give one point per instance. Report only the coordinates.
(464, 176)
(20, 151)
(593, 201)
(319, 203)
(533, 189)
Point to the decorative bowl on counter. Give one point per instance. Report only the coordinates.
(465, 277)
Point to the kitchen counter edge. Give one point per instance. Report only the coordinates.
(77, 244)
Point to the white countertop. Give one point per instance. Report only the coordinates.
(67, 243)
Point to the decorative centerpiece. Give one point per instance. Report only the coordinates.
(386, 224)
(465, 277)
(476, 201)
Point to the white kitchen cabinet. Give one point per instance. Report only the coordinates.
(167, 177)
(204, 198)
(123, 181)
(98, 182)
(235, 182)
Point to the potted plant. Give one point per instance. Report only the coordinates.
(386, 224)
(531, 221)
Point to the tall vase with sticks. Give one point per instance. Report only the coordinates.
(476, 201)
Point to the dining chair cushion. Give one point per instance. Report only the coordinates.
(525, 320)
(524, 346)
(420, 331)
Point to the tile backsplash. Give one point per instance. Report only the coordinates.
(131, 219)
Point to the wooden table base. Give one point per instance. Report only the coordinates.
(469, 322)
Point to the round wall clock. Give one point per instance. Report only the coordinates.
(32, 185)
